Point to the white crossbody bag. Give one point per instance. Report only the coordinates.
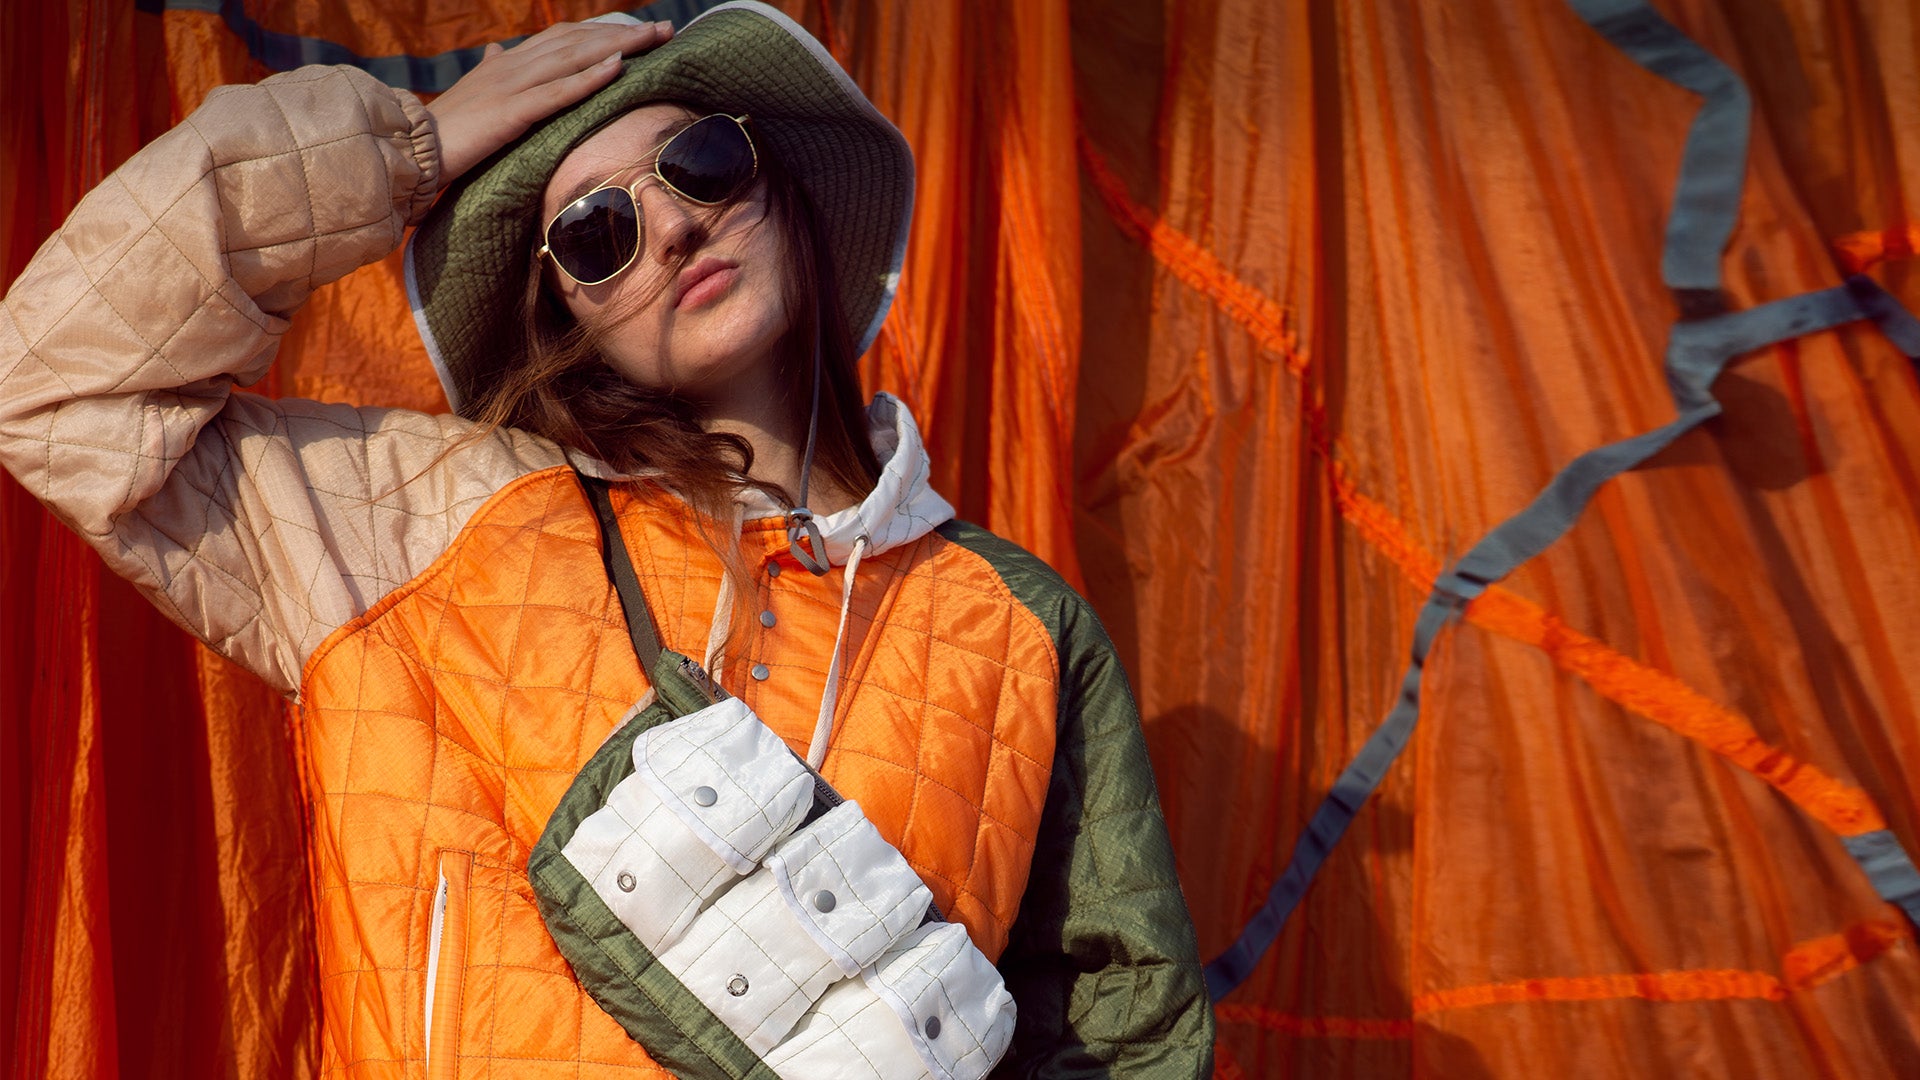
(735, 915)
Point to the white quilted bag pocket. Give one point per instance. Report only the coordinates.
(847, 888)
(827, 902)
(710, 794)
(728, 778)
(932, 1007)
(851, 1034)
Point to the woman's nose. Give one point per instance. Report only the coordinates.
(673, 224)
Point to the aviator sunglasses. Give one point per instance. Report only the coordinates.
(598, 235)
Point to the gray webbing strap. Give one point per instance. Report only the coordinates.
(626, 584)
(1889, 868)
(1895, 321)
(1706, 199)
(1697, 351)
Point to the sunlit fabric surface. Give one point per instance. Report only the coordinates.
(1249, 315)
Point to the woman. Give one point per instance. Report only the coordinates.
(644, 289)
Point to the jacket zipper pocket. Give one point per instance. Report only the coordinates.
(446, 964)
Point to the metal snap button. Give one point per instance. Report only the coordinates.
(625, 881)
(737, 986)
(705, 795)
(823, 900)
(932, 1027)
(773, 569)
(760, 672)
(767, 620)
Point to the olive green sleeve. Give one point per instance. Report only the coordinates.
(1102, 960)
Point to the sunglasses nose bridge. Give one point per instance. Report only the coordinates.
(670, 223)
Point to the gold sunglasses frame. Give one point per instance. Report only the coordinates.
(633, 193)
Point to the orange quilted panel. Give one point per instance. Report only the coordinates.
(491, 679)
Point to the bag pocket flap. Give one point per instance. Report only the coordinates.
(750, 965)
(849, 1034)
(651, 871)
(951, 1001)
(728, 778)
(849, 889)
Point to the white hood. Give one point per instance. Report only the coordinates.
(902, 508)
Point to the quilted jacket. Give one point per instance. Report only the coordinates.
(446, 624)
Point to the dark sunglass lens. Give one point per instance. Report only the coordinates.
(709, 162)
(596, 235)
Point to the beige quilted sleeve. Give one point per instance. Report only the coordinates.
(258, 525)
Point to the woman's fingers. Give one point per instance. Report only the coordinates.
(572, 55)
(536, 102)
(512, 89)
(561, 37)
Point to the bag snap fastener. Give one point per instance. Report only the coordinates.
(760, 672)
(823, 900)
(933, 1027)
(705, 795)
(767, 619)
(625, 881)
(737, 986)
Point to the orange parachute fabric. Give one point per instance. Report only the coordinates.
(1251, 315)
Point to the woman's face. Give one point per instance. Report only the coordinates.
(704, 303)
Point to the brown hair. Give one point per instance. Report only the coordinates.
(562, 389)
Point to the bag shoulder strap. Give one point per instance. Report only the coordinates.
(613, 552)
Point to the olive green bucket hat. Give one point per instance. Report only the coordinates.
(470, 257)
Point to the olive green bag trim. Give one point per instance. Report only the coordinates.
(1102, 958)
(621, 974)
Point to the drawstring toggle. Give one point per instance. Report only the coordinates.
(812, 554)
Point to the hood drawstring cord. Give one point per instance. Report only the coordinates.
(829, 697)
(716, 658)
(813, 554)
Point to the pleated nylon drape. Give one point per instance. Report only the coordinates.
(1249, 315)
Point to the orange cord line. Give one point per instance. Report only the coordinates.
(1805, 966)
(1313, 1027)
(1698, 985)
(1862, 251)
(1654, 694)
(1666, 700)
(1268, 322)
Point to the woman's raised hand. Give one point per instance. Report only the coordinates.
(510, 90)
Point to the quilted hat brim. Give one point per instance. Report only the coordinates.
(468, 260)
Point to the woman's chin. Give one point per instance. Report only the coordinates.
(706, 378)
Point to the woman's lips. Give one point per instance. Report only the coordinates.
(704, 282)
